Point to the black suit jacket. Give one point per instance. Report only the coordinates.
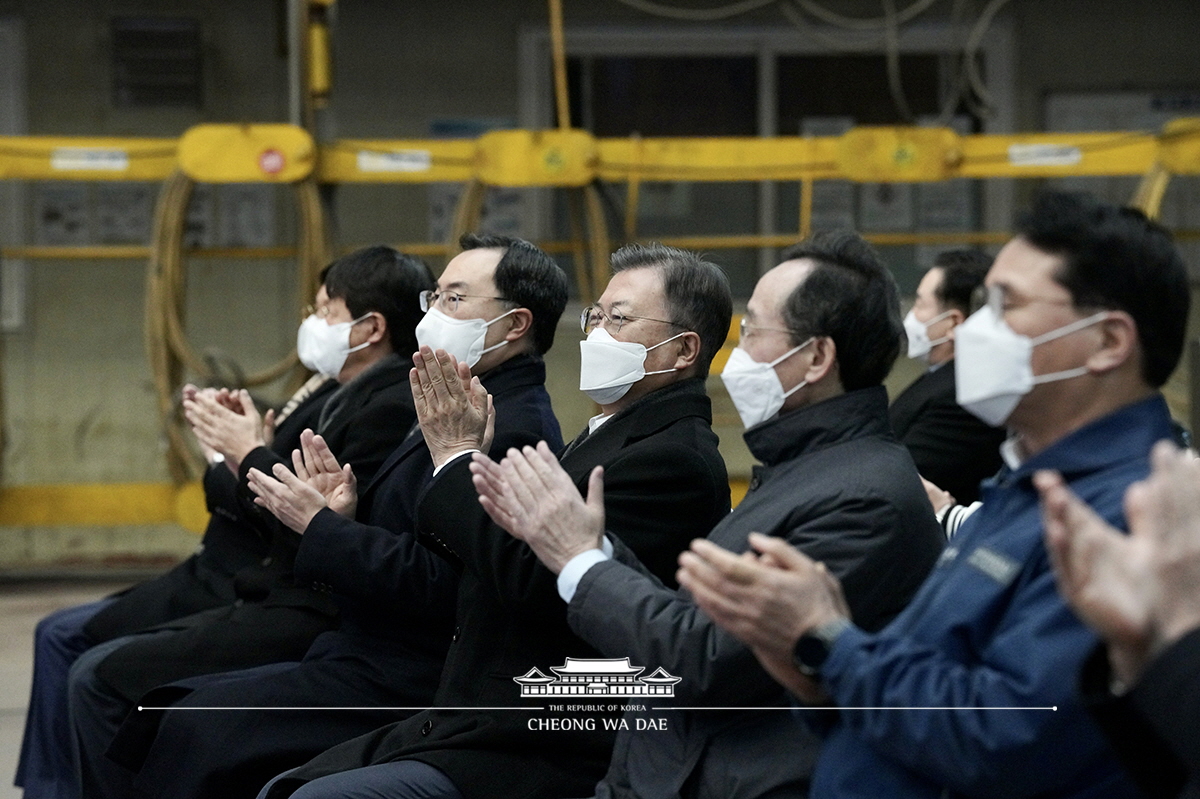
(233, 540)
(665, 483)
(374, 415)
(952, 448)
(387, 584)
(1153, 727)
(397, 613)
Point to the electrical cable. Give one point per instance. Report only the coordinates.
(170, 353)
(891, 39)
(792, 13)
(971, 51)
(697, 14)
(856, 23)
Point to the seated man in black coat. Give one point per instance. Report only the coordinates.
(952, 448)
(396, 597)
(820, 333)
(358, 335)
(236, 540)
(651, 337)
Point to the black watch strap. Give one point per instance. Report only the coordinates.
(812, 650)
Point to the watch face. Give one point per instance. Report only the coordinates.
(810, 654)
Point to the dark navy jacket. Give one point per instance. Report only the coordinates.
(386, 583)
(989, 631)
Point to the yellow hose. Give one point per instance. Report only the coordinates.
(170, 353)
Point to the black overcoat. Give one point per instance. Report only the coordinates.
(370, 422)
(397, 600)
(952, 448)
(234, 539)
(665, 483)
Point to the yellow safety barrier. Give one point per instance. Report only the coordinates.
(85, 158)
(537, 158)
(247, 153)
(573, 157)
(397, 161)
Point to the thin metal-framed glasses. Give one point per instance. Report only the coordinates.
(996, 297)
(745, 327)
(593, 317)
(448, 300)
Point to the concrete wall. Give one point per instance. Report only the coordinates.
(78, 404)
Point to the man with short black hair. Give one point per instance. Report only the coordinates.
(396, 597)
(819, 335)
(1084, 322)
(650, 337)
(952, 448)
(349, 337)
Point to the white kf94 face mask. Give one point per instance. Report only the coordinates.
(917, 331)
(607, 367)
(993, 363)
(323, 347)
(754, 386)
(462, 338)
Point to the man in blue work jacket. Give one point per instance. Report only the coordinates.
(971, 690)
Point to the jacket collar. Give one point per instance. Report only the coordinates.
(663, 407)
(515, 373)
(522, 371)
(651, 413)
(1129, 432)
(348, 399)
(848, 416)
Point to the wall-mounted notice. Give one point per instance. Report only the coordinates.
(61, 214)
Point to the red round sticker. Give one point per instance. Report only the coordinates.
(270, 161)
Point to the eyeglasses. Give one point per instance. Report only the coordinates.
(593, 317)
(320, 311)
(745, 329)
(447, 301)
(996, 297)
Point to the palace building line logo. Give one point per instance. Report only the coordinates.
(597, 677)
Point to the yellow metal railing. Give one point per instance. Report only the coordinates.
(565, 158)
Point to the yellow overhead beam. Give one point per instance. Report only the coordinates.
(397, 161)
(86, 158)
(247, 153)
(573, 157)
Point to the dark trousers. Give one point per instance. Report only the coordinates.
(96, 714)
(404, 779)
(352, 685)
(45, 768)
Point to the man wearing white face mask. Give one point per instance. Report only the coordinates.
(951, 447)
(820, 333)
(358, 542)
(1086, 319)
(361, 334)
(668, 483)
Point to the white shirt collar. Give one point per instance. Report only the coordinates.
(596, 421)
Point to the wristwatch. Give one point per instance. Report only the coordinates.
(812, 650)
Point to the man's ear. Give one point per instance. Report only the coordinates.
(378, 327)
(521, 323)
(689, 350)
(824, 359)
(1118, 343)
(956, 318)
